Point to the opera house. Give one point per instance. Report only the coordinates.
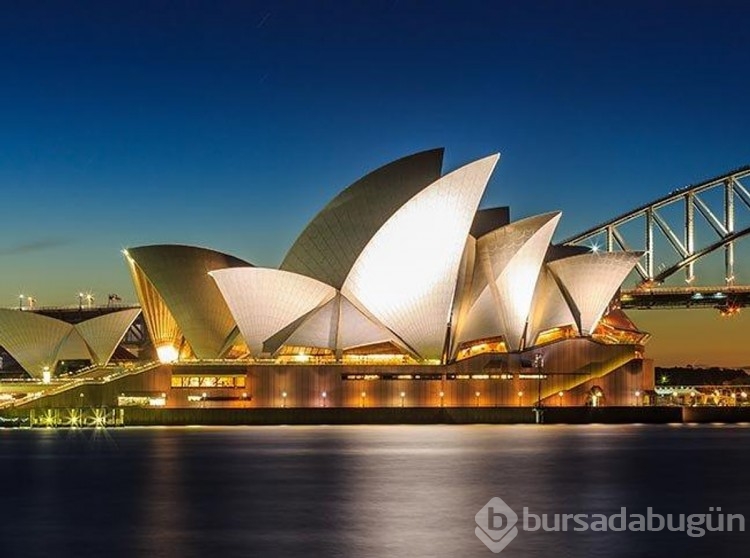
(400, 291)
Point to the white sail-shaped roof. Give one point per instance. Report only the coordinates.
(34, 340)
(406, 275)
(264, 301)
(514, 287)
(590, 281)
(549, 310)
(73, 347)
(508, 262)
(337, 325)
(359, 330)
(462, 299)
(178, 297)
(104, 333)
(328, 247)
(481, 321)
(318, 328)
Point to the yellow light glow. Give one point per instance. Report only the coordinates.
(167, 354)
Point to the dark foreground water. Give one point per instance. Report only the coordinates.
(361, 491)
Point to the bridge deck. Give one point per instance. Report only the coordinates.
(685, 297)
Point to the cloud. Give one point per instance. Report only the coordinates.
(34, 246)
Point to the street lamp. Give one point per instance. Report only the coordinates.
(403, 396)
(324, 396)
(283, 398)
(560, 395)
(363, 395)
(476, 395)
(20, 302)
(442, 398)
(80, 301)
(637, 396)
(520, 398)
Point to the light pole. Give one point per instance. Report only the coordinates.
(520, 398)
(283, 399)
(324, 396)
(364, 396)
(637, 397)
(560, 395)
(442, 398)
(403, 396)
(20, 302)
(476, 395)
(538, 364)
(80, 302)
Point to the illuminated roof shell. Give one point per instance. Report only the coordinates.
(328, 247)
(590, 281)
(179, 299)
(549, 309)
(406, 275)
(36, 341)
(104, 333)
(264, 301)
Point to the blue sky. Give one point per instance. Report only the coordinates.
(230, 124)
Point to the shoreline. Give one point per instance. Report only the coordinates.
(136, 416)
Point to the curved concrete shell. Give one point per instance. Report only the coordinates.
(179, 299)
(328, 247)
(406, 275)
(549, 309)
(337, 325)
(508, 262)
(36, 341)
(104, 333)
(265, 301)
(590, 281)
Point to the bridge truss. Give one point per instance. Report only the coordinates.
(679, 249)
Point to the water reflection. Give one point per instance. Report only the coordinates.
(358, 491)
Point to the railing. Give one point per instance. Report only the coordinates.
(66, 385)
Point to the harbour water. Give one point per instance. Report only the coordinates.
(361, 491)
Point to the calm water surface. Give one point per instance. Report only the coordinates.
(360, 491)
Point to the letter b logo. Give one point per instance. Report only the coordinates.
(496, 525)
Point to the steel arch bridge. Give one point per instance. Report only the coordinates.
(670, 249)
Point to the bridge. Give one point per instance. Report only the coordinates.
(676, 233)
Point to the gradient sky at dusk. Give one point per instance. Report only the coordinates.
(230, 124)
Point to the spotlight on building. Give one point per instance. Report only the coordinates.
(167, 354)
